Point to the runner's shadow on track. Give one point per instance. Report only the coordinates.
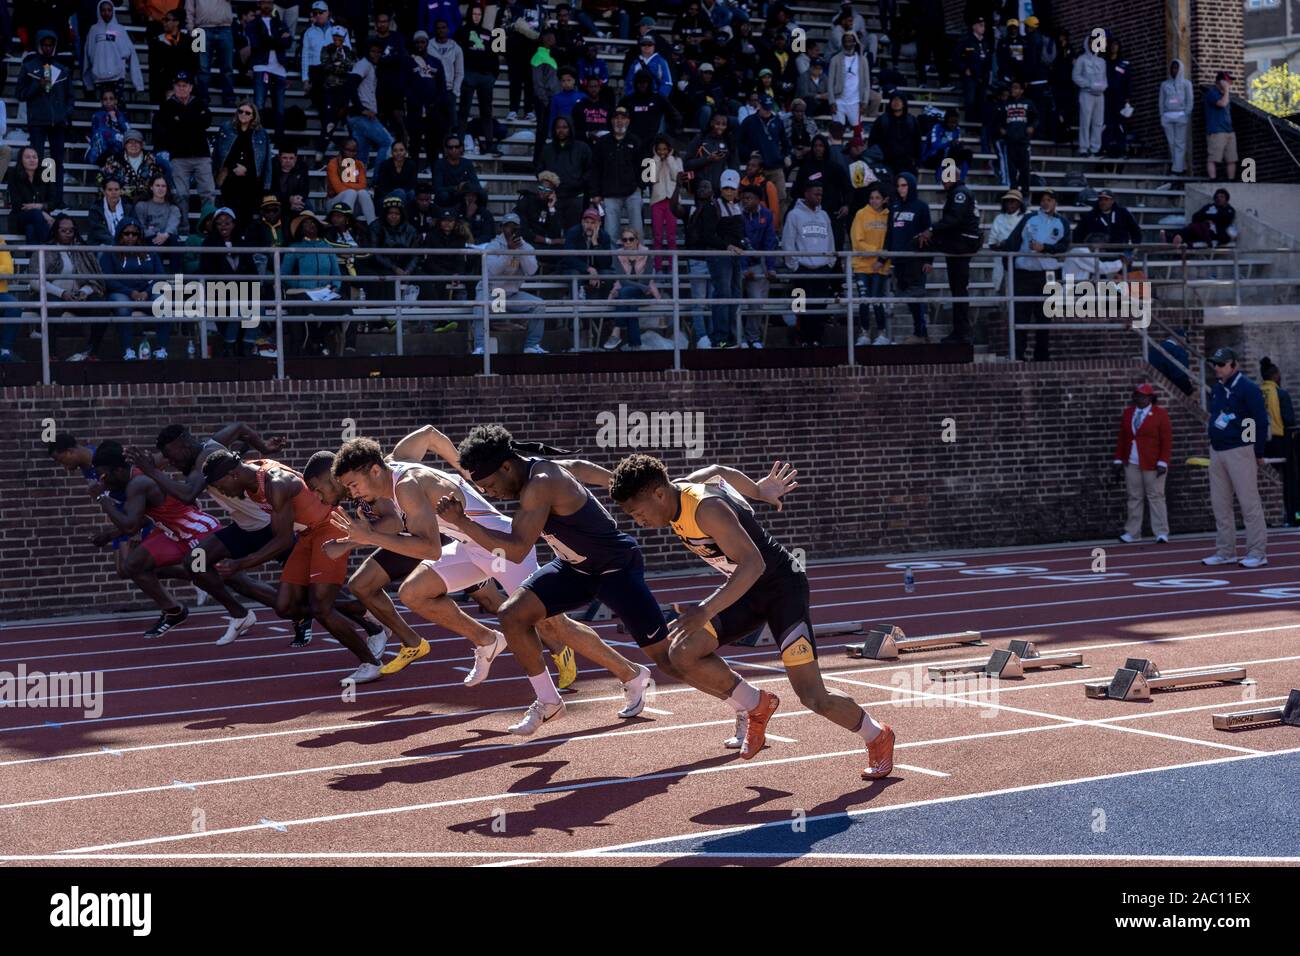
(584, 803)
(780, 835)
(391, 726)
(747, 812)
(481, 751)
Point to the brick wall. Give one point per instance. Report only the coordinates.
(1029, 463)
(1140, 28)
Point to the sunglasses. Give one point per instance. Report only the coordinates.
(629, 238)
(453, 146)
(1218, 364)
(245, 112)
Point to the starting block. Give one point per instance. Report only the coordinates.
(760, 638)
(885, 642)
(596, 611)
(1019, 657)
(1138, 678)
(1288, 714)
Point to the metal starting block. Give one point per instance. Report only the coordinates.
(1139, 677)
(885, 642)
(596, 611)
(1019, 657)
(1288, 714)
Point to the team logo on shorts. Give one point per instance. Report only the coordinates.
(800, 652)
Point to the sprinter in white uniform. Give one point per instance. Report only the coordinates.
(415, 490)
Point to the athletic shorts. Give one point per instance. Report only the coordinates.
(398, 567)
(465, 566)
(165, 550)
(562, 587)
(782, 604)
(308, 564)
(240, 543)
(1222, 148)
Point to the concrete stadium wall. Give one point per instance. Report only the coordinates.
(1029, 463)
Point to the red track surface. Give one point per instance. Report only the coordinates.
(248, 751)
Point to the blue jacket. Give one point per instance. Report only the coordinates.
(310, 257)
(658, 68)
(760, 231)
(261, 152)
(768, 138)
(131, 272)
(1239, 401)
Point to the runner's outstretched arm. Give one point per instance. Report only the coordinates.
(587, 472)
(417, 445)
(240, 432)
(778, 482)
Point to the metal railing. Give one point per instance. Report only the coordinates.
(283, 298)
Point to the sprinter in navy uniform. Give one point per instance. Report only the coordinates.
(594, 560)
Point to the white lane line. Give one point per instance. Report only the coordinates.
(1170, 569)
(675, 690)
(512, 858)
(464, 801)
(784, 740)
(667, 775)
(915, 769)
(524, 862)
(934, 801)
(1074, 721)
(655, 710)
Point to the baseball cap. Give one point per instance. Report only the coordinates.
(1105, 192)
(509, 218)
(766, 102)
(270, 200)
(1047, 191)
(1222, 355)
(706, 67)
(1223, 75)
(1031, 22)
(1146, 388)
(646, 40)
(1013, 194)
(394, 200)
(1013, 22)
(419, 35)
(730, 179)
(450, 212)
(620, 111)
(591, 212)
(320, 6)
(646, 21)
(183, 77)
(133, 134)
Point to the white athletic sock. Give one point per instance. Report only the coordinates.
(744, 697)
(869, 730)
(544, 687)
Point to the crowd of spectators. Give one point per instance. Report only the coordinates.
(728, 131)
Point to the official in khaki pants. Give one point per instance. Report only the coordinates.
(1143, 450)
(1238, 428)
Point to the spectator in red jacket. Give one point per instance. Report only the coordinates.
(1142, 452)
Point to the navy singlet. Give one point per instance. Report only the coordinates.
(588, 539)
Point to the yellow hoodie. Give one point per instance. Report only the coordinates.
(868, 235)
(1274, 406)
(6, 267)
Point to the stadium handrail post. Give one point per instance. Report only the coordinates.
(45, 318)
(677, 314)
(486, 293)
(398, 292)
(279, 316)
(1010, 273)
(849, 321)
